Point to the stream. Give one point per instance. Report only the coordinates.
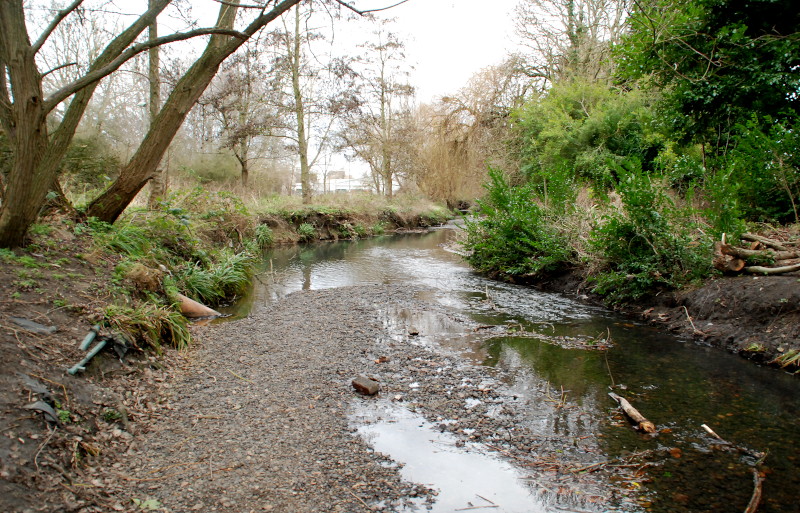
(548, 345)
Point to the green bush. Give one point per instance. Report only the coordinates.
(648, 245)
(766, 166)
(264, 236)
(514, 236)
(583, 131)
(307, 232)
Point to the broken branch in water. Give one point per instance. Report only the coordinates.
(755, 499)
(641, 422)
(758, 478)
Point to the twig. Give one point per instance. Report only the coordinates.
(484, 498)
(694, 328)
(476, 507)
(713, 433)
(359, 499)
(605, 355)
(162, 469)
(591, 468)
(758, 482)
(63, 388)
(238, 376)
(39, 450)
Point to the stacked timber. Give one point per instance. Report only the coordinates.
(761, 256)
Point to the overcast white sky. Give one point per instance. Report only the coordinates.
(450, 40)
(447, 41)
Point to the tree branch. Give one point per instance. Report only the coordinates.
(53, 24)
(100, 73)
(345, 4)
(254, 6)
(58, 68)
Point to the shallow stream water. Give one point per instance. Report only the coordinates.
(679, 384)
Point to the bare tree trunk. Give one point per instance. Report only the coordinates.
(158, 187)
(299, 109)
(36, 158)
(28, 182)
(110, 205)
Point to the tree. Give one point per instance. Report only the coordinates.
(316, 94)
(569, 39)
(718, 62)
(460, 135)
(243, 98)
(158, 187)
(24, 110)
(372, 127)
(24, 107)
(135, 174)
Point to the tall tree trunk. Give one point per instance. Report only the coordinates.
(158, 187)
(299, 109)
(36, 158)
(139, 170)
(27, 183)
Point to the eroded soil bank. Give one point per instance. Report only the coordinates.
(757, 317)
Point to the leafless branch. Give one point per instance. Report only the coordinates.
(58, 68)
(244, 6)
(100, 73)
(345, 4)
(53, 24)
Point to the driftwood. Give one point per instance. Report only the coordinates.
(641, 422)
(760, 269)
(733, 251)
(765, 241)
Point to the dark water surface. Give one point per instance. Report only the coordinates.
(677, 384)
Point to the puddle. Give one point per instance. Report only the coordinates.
(468, 477)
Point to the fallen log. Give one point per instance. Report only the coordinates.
(726, 263)
(641, 422)
(766, 254)
(760, 269)
(765, 241)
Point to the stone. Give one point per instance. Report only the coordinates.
(366, 386)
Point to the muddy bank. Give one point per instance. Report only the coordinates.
(755, 316)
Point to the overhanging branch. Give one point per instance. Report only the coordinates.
(53, 24)
(244, 6)
(100, 73)
(360, 12)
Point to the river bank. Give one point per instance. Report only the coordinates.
(138, 431)
(757, 317)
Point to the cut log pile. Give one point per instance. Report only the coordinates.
(761, 256)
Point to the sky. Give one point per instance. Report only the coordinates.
(447, 41)
(450, 40)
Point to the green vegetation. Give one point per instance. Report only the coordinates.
(630, 180)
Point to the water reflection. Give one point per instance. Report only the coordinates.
(678, 385)
(466, 476)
